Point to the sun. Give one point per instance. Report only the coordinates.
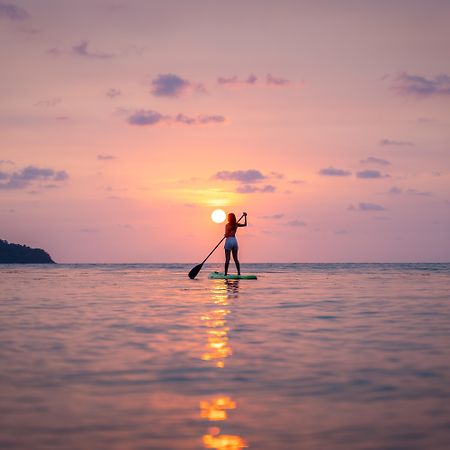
(218, 216)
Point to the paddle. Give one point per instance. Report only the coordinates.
(194, 272)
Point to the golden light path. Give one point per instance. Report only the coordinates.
(218, 216)
(218, 349)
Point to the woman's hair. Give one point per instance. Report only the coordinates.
(232, 220)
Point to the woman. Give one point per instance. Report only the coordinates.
(231, 245)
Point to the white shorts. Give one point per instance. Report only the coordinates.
(231, 243)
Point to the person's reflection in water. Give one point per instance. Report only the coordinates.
(218, 349)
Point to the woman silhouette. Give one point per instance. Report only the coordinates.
(231, 245)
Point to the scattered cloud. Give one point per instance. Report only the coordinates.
(234, 81)
(252, 80)
(341, 231)
(419, 193)
(3, 175)
(82, 50)
(6, 162)
(297, 182)
(392, 142)
(55, 52)
(370, 174)
(112, 93)
(373, 160)
(105, 157)
(62, 118)
(89, 230)
(296, 223)
(49, 103)
(24, 178)
(243, 176)
(171, 85)
(420, 86)
(251, 189)
(333, 172)
(367, 207)
(12, 12)
(394, 190)
(149, 117)
(276, 81)
(273, 217)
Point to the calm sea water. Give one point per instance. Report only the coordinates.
(316, 357)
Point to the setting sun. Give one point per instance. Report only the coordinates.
(218, 216)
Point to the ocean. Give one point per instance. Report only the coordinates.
(309, 356)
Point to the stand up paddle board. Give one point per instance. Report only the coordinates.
(222, 276)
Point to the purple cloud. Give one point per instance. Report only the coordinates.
(112, 93)
(386, 142)
(372, 160)
(365, 207)
(273, 217)
(3, 175)
(251, 189)
(419, 86)
(276, 81)
(149, 117)
(420, 193)
(332, 172)
(13, 12)
(143, 117)
(23, 178)
(235, 82)
(243, 176)
(370, 174)
(171, 85)
(82, 50)
(395, 190)
(296, 223)
(49, 103)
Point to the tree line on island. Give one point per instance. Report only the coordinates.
(22, 254)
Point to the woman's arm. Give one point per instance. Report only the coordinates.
(245, 221)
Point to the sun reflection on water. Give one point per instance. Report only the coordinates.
(218, 349)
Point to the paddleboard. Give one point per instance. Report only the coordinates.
(222, 276)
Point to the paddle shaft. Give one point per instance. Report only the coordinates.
(213, 250)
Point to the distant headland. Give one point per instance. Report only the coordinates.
(22, 254)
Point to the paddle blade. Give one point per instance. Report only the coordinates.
(194, 272)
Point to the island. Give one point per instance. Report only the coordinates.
(22, 254)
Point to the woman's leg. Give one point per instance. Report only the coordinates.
(227, 260)
(236, 261)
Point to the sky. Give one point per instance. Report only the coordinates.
(124, 124)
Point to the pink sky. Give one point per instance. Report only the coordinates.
(124, 124)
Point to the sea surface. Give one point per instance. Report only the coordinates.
(309, 356)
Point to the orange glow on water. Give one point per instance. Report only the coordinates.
(217, 408)
(223, 441)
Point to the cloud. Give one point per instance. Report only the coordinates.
(13, 12)
(332, 172)
(386, 142)
(243, 176)
(296, 223)
(105, 157)
(49, 103)
(370, 174)
(252, 80)
(234, 81)
(365, 207)
(273, 217)
(373, 160)
(420, 193)
(30, 174)
(112, 93)
(419, 86)
(82, 50)
(171, 85)
(251, 189)
(149, 117)
(276, 81)
(394, 190)
(3, 175)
